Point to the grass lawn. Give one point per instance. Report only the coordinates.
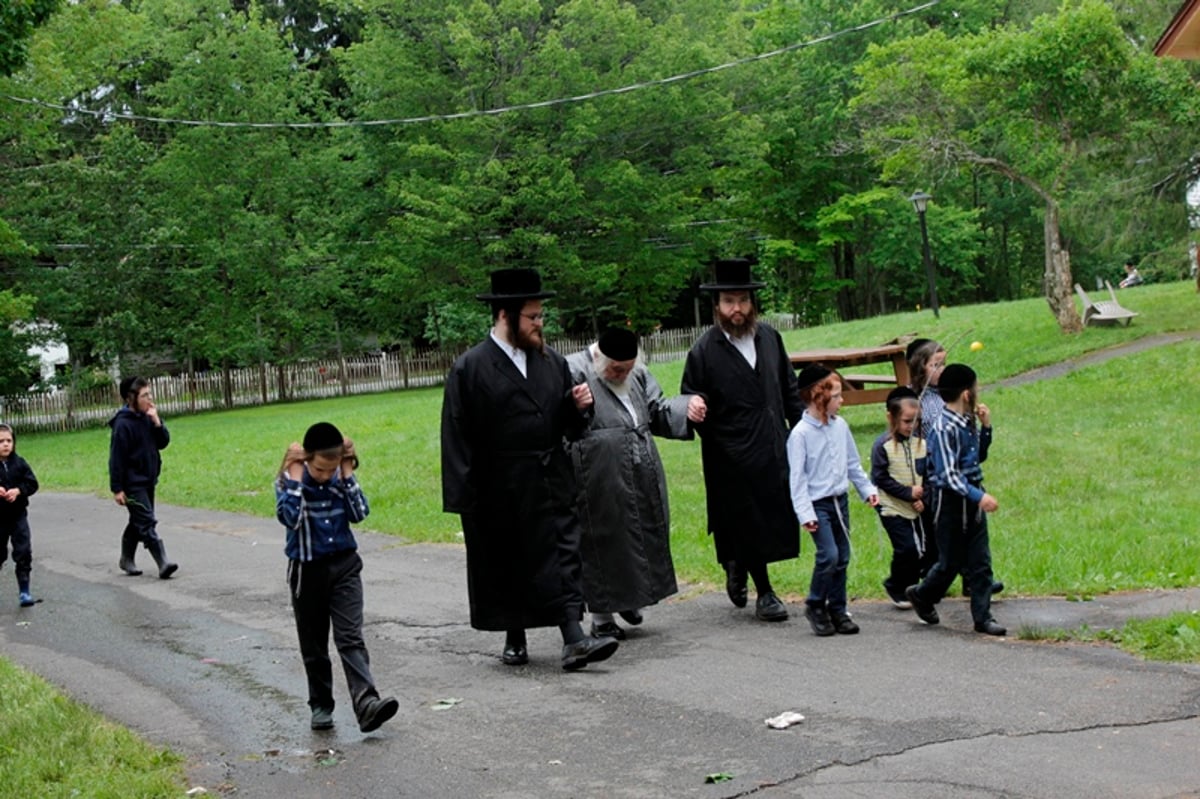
(51, 747)
(1091, 470)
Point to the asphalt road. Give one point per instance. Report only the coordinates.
(207, 663)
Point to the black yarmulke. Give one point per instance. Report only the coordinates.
(322, 436)
(956, 377)
(618, 344)
(812, 374)
(903, 392)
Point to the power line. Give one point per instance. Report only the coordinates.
(578, 98)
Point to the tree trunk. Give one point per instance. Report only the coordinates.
(1057, 280)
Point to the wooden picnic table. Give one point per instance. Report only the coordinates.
(856, 391)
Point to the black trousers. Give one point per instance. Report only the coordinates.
(16, 532)
(962, 537)
(909, 552)
(143, 525)
(328, 592)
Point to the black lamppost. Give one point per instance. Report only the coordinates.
(920, 200)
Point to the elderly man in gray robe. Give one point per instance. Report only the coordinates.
(622, 501)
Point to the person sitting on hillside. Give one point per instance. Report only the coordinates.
(1132, 278)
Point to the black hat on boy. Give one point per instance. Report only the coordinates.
(732, 274)
(956, 377)
(812, 374)
(618, 344)
(322, 436)
(903, 392)
(515, 284)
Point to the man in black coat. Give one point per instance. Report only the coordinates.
(134, 462)
(743, 372)
(509, 406)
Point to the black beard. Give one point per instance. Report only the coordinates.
(532, 342)
(746, 328)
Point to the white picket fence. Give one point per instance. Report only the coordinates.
(176, 395)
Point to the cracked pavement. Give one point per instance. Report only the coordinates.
(207, 664)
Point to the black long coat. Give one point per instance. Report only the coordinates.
(744, 444)
(506, 472)
(623, 503)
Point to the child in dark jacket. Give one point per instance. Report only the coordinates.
(17, 485)
(898, 464)
(317, 496)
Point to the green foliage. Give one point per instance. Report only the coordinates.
(56, 748)
(17, 21)
(234, 245)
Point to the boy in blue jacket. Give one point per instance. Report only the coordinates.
(956, 450)
(17, 485)
(316, 498)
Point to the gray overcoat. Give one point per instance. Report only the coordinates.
(622, 497)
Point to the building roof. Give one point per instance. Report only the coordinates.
(1181, 39)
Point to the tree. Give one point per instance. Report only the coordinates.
(18, 18)
(1046, 108)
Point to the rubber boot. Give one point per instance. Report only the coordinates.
(159, 552)
(128, 551)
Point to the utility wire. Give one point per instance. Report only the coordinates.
(578, 98)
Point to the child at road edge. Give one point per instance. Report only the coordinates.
(17, 485)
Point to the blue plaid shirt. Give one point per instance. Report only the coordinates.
(956, 450)
(318, 515)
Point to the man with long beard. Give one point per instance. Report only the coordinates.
(622, 486)
(741, 369)
(509, 404)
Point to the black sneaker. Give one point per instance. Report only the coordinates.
(322, 718)
(818, 617)
(898, 600)
(925, 611)
(990, 627)
(843, 624)
(376, 712)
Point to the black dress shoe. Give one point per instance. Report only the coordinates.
(375, 712)
(633, 617)
(514, 655)
(990, 627)
(818, 617)
(588, 650)
(769, 608)
(843, 624)
(925, 611)
(610, 629)
(735, 584)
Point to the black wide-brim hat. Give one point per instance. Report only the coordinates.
(732, 274)
(515, 284)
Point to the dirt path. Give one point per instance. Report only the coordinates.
(1093, 358)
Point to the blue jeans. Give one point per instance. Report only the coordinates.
(832, 541)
